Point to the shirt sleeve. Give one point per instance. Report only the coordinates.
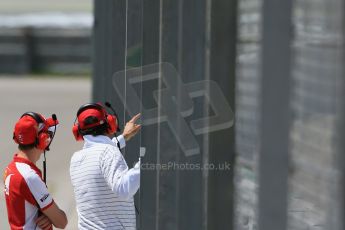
(122, 181)
(39, 191)
(121, 140)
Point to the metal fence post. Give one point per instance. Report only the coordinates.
(275, 70)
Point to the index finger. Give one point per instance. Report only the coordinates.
(135, 118)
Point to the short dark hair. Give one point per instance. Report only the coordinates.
(94, 131)
(26, 147)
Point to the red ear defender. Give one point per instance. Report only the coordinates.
(76, 133)
(112, 123)
(43, 140)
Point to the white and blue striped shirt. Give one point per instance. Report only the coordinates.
(103, 185)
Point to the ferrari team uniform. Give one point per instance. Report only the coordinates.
(103, 185)
(25, 193)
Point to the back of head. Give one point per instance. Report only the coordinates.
(98, 129)
(93, 119)
(25, 133)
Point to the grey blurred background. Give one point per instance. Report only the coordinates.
(279, 65)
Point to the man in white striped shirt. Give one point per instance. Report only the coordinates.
(103, 185)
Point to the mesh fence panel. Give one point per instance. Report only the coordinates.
(314, 176)
(247, 107)
(194, 37)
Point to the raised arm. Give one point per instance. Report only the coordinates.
(123, 182)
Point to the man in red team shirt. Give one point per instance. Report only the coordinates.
(29, 204)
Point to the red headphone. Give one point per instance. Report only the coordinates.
(96, 110)
(30, 135)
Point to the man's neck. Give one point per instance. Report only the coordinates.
(31, 155)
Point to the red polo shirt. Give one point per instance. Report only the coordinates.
(24, 191)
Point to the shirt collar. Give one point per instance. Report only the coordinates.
(90, 141)
(19, 159)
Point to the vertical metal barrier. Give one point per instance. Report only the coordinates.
(247, 114)
(339, 217)
(289, 170)
(173, 61)
(275, 114)
(312, 142)
(341, 131)
(315, 178)
(194, 38)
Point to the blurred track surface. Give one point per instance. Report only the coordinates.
(62, 96)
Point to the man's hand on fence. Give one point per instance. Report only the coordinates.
(131, 128)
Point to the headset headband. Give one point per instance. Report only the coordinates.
(35, 116)
(41, 122)
(89, 106)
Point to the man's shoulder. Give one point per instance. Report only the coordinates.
(18, 176)
(27, 173)
(91, 152)
(99, 148)
(11, 173)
